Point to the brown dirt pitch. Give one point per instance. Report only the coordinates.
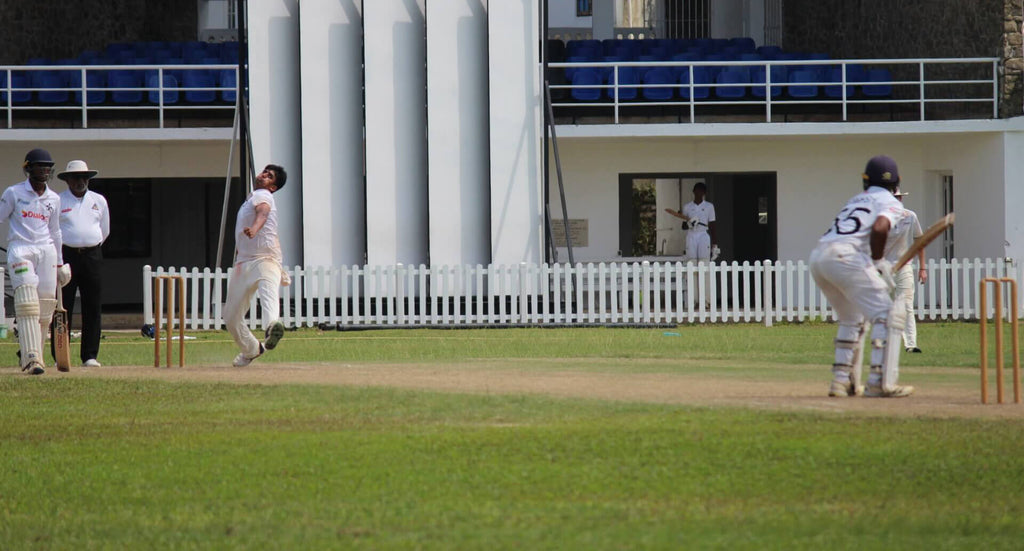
(941, 392)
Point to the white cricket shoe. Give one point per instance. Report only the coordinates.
(896, 391)
(273, 335)
(241, 360)
(92, 362)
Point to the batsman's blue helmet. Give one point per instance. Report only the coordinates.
(38, 156)
(881, 170)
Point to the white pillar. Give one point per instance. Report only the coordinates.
(515, 133)
(457, 132)
(334, 225)
(396, 160)
(275, 111)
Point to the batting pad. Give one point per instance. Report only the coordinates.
(30, 335)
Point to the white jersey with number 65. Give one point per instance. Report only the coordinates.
(853, 223)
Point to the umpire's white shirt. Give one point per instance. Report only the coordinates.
(85, 220)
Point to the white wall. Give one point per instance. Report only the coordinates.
(275, 114)
(816, 175)
(334, 222)
(515, 133)
(396, 151)
(457, 132)
(1014, 200)
(562, 13)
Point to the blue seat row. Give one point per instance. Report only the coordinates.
(729, 83)
(119, 87)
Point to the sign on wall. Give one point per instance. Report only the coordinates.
(578, 232)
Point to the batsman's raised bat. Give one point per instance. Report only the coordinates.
(61, 341)
(927, 237)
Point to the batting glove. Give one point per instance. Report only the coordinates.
(63, 274)
(884, 268)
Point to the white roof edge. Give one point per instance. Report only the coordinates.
(746, 130)
(115, 134)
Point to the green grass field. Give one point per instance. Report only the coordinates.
(128, 463)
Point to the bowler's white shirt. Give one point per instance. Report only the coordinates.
(265, 243)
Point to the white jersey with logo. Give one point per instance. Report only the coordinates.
(700, 215)
(34, 218)
(265, 243)
(853, 223)
(902, 236)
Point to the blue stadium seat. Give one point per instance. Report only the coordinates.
(732, 75)
(658, 75)
(51, 79)
(627, 76)
(587, 76)
(227, 79)
(701, 75)
(757, 76)
(21, 80)
(95, 81)
(803, 91)
(120, 78)
(836, 91)
(229, 52)
(744, 44)
(170, 92)
(769, 52)
(199, 79)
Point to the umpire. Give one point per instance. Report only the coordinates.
(84, 225)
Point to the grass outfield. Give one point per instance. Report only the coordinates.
(129, 463)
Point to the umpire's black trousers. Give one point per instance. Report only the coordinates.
(86, 279)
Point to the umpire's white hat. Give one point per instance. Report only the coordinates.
(77, 167)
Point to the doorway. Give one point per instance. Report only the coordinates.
(745, 210)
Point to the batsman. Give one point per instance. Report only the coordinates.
(34, 259)
(850, 268)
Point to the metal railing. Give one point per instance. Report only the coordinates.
(88, 94)
(918, 83)
(546, 294)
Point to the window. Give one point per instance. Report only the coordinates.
(583, 8)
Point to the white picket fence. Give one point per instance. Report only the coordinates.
(561, 294)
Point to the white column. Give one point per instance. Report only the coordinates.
(275, 111)
(515, 133)
(396, 160)
(334, 225)
(457, 132)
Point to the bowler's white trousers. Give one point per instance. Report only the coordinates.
(261, 276)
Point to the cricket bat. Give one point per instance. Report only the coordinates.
(61, 341)
(927, 237)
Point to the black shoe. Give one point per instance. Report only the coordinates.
(913, 349)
